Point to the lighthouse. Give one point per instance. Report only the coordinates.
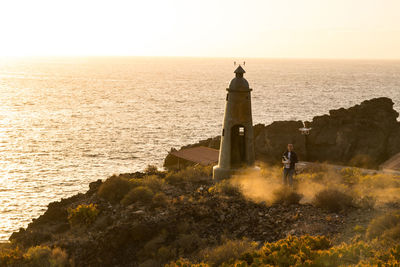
(237, 139)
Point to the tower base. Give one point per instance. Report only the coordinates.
(222, 173)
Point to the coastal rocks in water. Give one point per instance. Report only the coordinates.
(364, 135)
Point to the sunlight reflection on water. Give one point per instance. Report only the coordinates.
(67, 122)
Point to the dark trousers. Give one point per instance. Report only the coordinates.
(288, 176)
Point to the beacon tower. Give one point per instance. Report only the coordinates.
(237, 144)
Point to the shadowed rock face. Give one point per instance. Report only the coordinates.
(360, 135)
(364, 135)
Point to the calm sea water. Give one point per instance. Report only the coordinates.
(65, 122)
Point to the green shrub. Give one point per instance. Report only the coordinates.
(225, 187)
(141, 232)
(83, 214)
(192, 174)
(43, 256)
(153, 182)
(359, 229)
(316, 177)
(166, 253)
(11, 256)
(160, 200)
(114, 189)
(378, 226)
(292, 250)
(286, 196)
(380, 180)
(135, 182)
(228, 252)
(186, 263)
(363, 161)
(300, 251)
(151, 247)
(392, 233)
(365, 202)
(188, 243)
(151, 170)
(350, 176)
(141, 194)
(333, 200)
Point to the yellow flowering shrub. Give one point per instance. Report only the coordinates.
(83, 214)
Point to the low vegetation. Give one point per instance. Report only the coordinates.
(286, 196)
(386, 226)
(114, 189)
(197, 174)
(333, 200)
(301, 251)
(141, 194)
(228, 251)
(83, 214)
(183, 218)
(226, 188)
(37, 256)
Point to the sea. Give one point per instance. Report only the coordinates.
(65, 122)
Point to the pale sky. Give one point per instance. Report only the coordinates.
(210, 28)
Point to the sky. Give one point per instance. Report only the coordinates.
(201, 28)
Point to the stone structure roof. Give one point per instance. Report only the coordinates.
(392, 164)
(201, 155)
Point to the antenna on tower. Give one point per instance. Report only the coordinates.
(235, 63)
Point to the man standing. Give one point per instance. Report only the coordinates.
(289, 160)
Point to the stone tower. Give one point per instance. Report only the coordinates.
(237, 144)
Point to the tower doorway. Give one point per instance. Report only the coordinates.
(238, 146)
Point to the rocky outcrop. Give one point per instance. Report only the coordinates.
(360, 135)
(364, 135)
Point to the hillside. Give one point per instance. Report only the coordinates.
(155, 218)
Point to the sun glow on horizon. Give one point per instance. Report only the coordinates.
(255, 28)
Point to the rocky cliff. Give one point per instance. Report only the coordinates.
(364, 135)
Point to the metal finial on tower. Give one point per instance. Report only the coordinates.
(234, 63)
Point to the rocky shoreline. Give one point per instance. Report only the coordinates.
(153, 218)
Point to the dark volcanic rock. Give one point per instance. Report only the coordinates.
(272, 140)
(358, 136)
(364, 135)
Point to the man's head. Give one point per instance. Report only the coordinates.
(290, 147)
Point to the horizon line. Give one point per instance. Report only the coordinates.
(195, 57)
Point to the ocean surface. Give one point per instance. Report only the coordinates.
(65, 122)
